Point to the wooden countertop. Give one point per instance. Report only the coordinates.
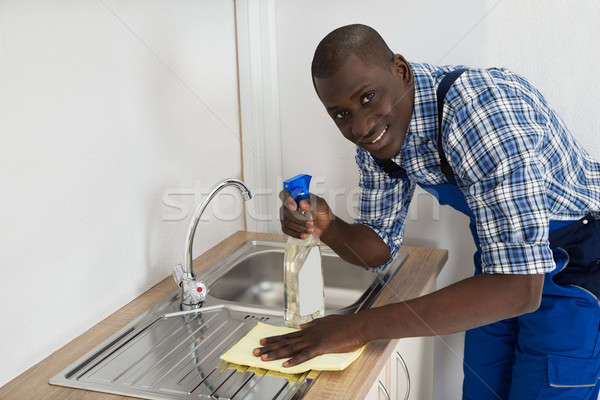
(416, 277)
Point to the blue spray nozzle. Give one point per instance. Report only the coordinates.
(298, 187)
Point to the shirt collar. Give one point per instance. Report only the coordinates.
(423, 122)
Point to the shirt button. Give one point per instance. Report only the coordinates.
(585, 221)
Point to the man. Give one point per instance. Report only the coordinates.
(485, 142)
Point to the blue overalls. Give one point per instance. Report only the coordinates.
(554, 352)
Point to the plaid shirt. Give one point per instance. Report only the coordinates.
(515, 161)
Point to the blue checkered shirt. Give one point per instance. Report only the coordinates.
(514, 159)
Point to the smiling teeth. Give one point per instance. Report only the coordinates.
(380, 135)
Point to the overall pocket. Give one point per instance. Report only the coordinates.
(571, 378)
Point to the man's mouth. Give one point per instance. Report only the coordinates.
(379, 136)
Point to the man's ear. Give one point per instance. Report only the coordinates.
(401, 69)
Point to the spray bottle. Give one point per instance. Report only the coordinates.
(302, 273)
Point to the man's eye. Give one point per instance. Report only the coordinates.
(341, 115)
(365, 99)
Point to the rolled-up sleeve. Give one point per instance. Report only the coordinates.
(494, 150)
(383, 202)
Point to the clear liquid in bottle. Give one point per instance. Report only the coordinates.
(304, 297)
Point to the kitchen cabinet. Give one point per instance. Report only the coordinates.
(407, 374)
(379, 390)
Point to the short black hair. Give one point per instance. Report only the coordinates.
(360, 40)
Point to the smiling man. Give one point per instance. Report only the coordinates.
(485, 142)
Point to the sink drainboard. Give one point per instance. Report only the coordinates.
(178, 358)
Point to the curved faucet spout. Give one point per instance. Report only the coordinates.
(189, 241)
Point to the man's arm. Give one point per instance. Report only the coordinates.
(467, 304)
(356, 243)
(378, 231)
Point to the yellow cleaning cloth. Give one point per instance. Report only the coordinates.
(241, 353)
(293, 378)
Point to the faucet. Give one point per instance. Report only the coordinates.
(194, 291)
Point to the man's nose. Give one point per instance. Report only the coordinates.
(362, 125)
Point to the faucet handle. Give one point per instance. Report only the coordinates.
(179, 274)
(192, 291)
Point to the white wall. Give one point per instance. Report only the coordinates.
(106, 107)
(551, 42)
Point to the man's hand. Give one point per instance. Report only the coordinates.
(331, 334)
(311, 216)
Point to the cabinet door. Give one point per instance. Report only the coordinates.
(380, 389)
(411, 368)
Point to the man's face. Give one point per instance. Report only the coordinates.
(370, 105)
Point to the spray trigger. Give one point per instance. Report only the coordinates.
(298, 187)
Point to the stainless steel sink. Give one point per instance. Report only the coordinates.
(178, 358)
(257, 278)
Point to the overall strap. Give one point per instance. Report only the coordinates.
(441, 92)
(395, 171)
